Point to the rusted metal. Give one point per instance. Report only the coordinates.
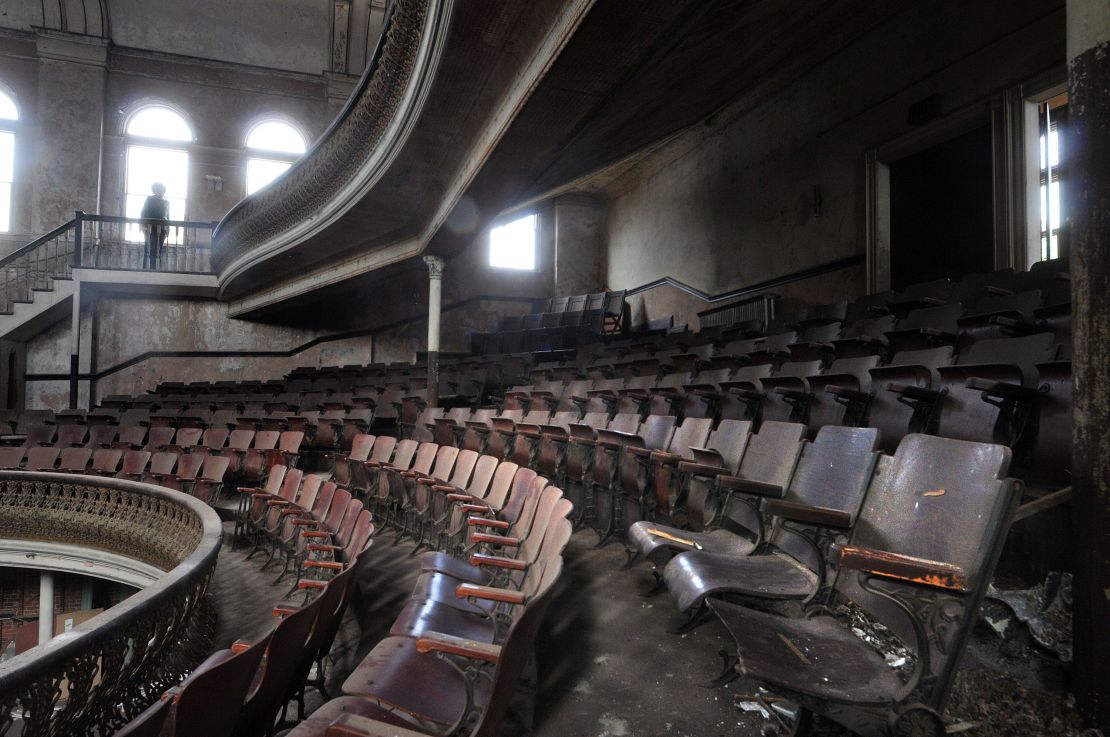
(904, 567)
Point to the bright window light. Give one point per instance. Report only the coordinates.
(513, 245)
(161, 123)
(274, 138)
(7, 174)
(147, 165)
(275, 135)
(8, 110)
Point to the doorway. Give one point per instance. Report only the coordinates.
(941, 210)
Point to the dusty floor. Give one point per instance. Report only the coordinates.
(609, 666)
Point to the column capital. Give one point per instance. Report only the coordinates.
(436, 265)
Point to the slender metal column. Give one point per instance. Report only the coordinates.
(46, 606)
(436, 265)
(75, 344)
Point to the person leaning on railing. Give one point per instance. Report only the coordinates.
(155, 208)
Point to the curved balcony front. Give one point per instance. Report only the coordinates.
(94, 678)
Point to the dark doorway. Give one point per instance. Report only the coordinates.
(941, 211)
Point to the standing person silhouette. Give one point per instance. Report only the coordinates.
(155, 208)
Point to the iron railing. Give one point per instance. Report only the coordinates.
(95, 678)
(101, 242)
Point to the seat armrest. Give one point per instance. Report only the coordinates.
(497, 524)
(707, 457)
(351, 725)
(701, 469)
(940, 336)
(617, 439)
(490, 593)
(1003, 389)
(914, 392)
(437, 642)
(476, 507)
(497, 561)
(664, 458)
(640, 452)
(903, 567)
(853, 394)
(481, 537)
(820, 516)
(748, 486)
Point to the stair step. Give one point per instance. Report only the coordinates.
(23, 301)
(42, 289)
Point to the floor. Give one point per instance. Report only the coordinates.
(609, 666)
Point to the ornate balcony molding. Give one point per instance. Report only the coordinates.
(95, 678)
(352, 154)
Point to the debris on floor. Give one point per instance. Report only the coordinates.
(985, 703)
(1044, 611)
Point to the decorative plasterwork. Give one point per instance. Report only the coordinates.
(351, 155)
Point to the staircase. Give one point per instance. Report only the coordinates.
(37, 281)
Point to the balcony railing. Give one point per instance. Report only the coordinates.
(103, 242)
(93, 679)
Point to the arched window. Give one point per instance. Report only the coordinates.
(272, 146)
(152, 156)
(9, 116)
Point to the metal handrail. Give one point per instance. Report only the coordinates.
(116, 663)
(24, 250)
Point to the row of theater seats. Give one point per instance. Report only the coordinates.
(816, 552)
(244, 690)
(457, 649)
(187, 459)
(557, 323)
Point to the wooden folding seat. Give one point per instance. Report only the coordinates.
(362, 475)
(11, 457)
(102, 436)
(551, 444)
(255, 504)
(526, 436)
(578, 459)
(391, 672)
(356, 421)
(341, 462)
(653, 433)
(32, 432)
(865, 337)
(497, 432)
(311, 516)
(664, 397)
(920, 295)
(972, 287)
(105, 462)
(133, 465)
(829, 484)
(488, 477)
(822, 407)
(188, 466)
(41, 458)
(131, 437)
(207, 702)
(991, 393)
(135, 416)
(238, 441)
(448, 429)
(277, 527)
(369, 480)
(160, 436)
(325, 556)
(815, 343)
(162, 465)
(1049, 458)
(768, 460)
(994, 316)
(286, 452)
(925, 328)
(71, 434)
(432, 462)
(168, 414)
(603, 396)
(927, 540)
(210, 481)
(760, 399)
(901, 399)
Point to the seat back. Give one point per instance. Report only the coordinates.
(383, 449)
(940, 500)
(833, 471)
(773, 452)
(403, 453)
(549, 498)
(240, 439)
(134, 462)
(73, 460)
(323, 499)
(485, 467)
(188, 436)
(501, 485)
(10, 458)
(518, 495)
(209, 700)
(71, 434)
(730, 440)
(188, 466)
(162, 463)
(465, 462)
(347, 525)
(106, 460)
(159, 436)
(215, 438)
(692, 433)
(340, 499)
(133, 435)
(361, 447)
(290, 441)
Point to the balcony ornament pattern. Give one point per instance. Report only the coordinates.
(314, 187)
(95, 678)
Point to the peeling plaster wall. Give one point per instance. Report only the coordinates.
(729, 202)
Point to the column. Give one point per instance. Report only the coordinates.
(436, 265)
(1088, 219)
(46, 606)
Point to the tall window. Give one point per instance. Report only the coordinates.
(273, 146)
(1053, 116)
(513, 245)
(9, 115)
(156, 140)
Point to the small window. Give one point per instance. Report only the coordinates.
(9, 114)
(1052, 117)
(513, 245)
(274, 146)
(160, 123)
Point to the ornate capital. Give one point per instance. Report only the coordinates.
(436, 265)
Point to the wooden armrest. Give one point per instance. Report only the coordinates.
(427, 481)
(350, 725)
(640, 451)
(701, 469)
(854, 395)
(282, 611)
(319, 548)
(481, 537)
(664, 458)
(748, 486)
(326, 564)
(914, 392)
(240, 646)
(583, 442)
(307, 522)
(903, 567)
(489, 593)
(481, 559)
(439, 642)
(497, 524)
(447, 489)
(315, 534)
(1002, 389)
(820, 516)
(476, 507)
(308, 583)
(707, 456)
